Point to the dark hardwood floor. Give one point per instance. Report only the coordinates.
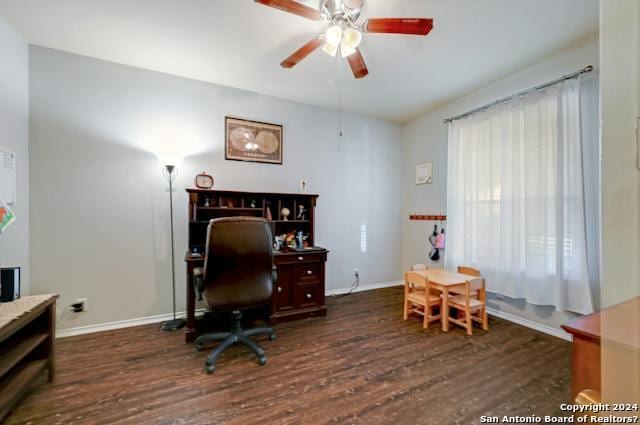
(362, 364)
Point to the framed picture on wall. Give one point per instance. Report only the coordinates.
(253, 141)
(424, 173)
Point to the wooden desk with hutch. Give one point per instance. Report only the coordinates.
(299, 291)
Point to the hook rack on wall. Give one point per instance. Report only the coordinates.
(424, 217)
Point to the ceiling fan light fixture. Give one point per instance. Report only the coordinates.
(344, 29)
(353, 37)
(346, 49)
(334, 35)
(330, 49)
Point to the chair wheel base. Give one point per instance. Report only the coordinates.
(235, 336)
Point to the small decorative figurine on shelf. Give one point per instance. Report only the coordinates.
(300, 239)
(285, 213)
(290, 240)
(303, 186)
(267, 213)
(302, 213)
(207, 202)
(277, 245)
(253, 203)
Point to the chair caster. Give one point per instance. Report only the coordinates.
(262, 360)
(272, 337)
(209, 368)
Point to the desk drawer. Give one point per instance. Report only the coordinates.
(308, 295)
(299, 258)
(308, 273)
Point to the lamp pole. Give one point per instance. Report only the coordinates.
(174, 324)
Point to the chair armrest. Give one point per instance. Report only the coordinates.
(198, 281)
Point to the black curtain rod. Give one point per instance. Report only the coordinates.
(531, 90)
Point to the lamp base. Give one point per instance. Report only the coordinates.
(173, 325)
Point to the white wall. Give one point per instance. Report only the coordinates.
(14, 135)
(99, 206)
(620, 274)
(425, 139)
(620, 176)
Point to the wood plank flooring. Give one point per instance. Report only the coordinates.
(362, 364)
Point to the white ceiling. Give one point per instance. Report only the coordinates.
(240, 43)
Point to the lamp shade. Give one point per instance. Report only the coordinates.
(334, 35)
(352, 37)
(346, 49)
(330, 49)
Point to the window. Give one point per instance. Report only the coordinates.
(515, 202)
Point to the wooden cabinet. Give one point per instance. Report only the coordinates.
(587, 332)
(299, 290)
(283, 289)
(27, 335)
(585, 353)
(300, 287)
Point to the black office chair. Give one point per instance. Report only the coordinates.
(238, 274)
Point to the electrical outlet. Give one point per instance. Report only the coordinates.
(356, 272)
(85, 304)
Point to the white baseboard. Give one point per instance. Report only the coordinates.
(82, 330)
(559, 333)
(121, 324)
(369, 287)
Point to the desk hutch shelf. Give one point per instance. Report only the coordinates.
(299, 291)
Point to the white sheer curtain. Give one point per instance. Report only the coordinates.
(515, 198)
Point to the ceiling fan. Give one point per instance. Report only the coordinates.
(345, 31)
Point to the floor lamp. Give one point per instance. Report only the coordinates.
(174, 324)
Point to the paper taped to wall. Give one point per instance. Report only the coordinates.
(7, 176)
(6, 216)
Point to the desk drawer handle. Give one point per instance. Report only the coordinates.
(309, 272)
(309, 296)
(279, 289)
(300, 258)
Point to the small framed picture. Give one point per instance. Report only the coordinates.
(424, 173)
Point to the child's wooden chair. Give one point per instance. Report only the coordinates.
(472, 308)
(418, 299)
(475, 289)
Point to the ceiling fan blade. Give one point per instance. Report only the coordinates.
(356, 62)
(294, 7)
(302, 53)
(420, 26)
